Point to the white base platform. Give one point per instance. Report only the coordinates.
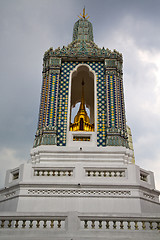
(83, 187)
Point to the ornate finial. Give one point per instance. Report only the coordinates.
(84, 15)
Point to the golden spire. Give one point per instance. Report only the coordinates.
(82, 106)
(84, 15)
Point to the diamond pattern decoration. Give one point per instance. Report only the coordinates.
(63, 110)
(52, 100)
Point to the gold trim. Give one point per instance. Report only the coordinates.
(84, 16)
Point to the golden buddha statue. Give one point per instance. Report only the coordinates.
(81, 120)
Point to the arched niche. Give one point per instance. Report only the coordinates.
(82, 74)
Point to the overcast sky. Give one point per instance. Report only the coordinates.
(29, 27)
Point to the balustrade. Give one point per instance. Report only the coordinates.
(105, 173)
(26, 223)
(53, 172)
(120, 224)
(92, 223)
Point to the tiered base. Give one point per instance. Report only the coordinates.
(80, 194)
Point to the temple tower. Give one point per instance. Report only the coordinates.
(81, 181)
(63, 71)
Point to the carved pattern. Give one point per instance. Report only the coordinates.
(78, 192)
(149, 196)
(81, 49)
(10, 194)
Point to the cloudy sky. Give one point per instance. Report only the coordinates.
(29, 27)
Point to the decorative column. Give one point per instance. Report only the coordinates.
(46, 132)
(116, 120)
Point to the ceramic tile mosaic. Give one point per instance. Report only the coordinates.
(66, 68)
(48, 108)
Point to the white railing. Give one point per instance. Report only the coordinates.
(53, 172)
(32, 222)
(104, 173)
(81, 223)
(124, 223)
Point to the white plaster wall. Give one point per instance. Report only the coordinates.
(80, 192)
